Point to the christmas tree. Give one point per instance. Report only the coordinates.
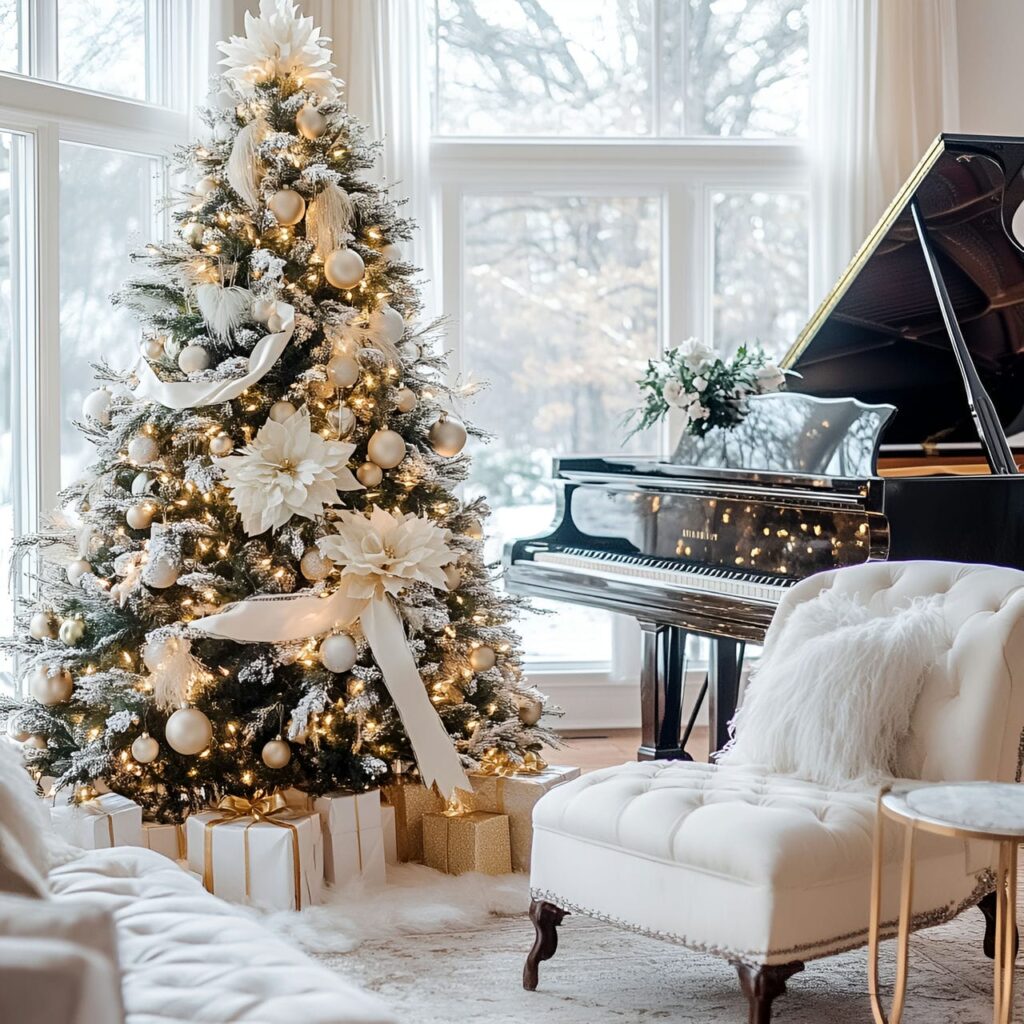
(272, 581)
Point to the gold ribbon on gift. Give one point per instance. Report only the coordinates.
(95, 808)
(497, 762)
(267, 809)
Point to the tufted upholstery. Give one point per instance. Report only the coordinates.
(771, 869)
(187, 956)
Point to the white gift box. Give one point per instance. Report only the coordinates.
(387, 818)
(275, 863)
(166, 839)
(105, 821)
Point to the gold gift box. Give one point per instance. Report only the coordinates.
(478, 841)
(411, 801)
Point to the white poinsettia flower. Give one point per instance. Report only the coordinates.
(697, 354)
(770, 377)
(700, 383)
(278, 43)
(288, 470)
(672, 392)
(384, 552)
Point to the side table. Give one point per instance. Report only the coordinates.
(991, 811)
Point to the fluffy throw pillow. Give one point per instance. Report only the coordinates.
(832, 697)
(24, 824)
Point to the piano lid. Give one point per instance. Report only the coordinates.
(879, 336)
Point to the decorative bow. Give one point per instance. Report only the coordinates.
(497, 762)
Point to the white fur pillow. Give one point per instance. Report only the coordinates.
(832, 697)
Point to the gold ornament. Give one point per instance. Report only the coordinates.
(342, 371)
(482, 658)
(369, 474)
(76, 570)
(342, 419)
(452, 576)
(386, 448)
(43, 626)
(474, 529)
(145, 749)
(140, 515)
(530, 711)
(448, 437)
(153, 348)
(72, 631)
(277, 753)
(338, 653)
(142, 450)
(310, 122)
(188, 731)
(280, 411)
(205, 186)
(344, 268)
(287, 206)
(405, 400)
(222, 444)
(51, 685)
(314, 566)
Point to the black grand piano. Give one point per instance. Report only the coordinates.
(891, 444)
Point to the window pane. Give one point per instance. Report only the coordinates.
(106, 203)
(560, 314)
(101, 45)
(8, 394)
(760, 276)
(10, 31)
(734, 67)
(543, 67)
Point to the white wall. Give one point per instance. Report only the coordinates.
(991, 65)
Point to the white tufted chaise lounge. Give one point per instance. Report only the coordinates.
(769, 871)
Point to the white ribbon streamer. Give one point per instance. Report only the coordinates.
(186, 394)
(274, 618)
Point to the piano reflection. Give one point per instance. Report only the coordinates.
(892, 444)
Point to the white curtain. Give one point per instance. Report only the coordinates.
(209, 22)
(883, 85)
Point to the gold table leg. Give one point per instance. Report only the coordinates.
(1006, 919)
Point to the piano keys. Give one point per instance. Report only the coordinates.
(891, 444)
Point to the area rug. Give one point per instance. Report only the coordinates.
(440, 949)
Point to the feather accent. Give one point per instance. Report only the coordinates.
(223, 309)
(243, 169)
(329, 219)
(375, 333)
(171, 668)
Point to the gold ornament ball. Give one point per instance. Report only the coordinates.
(43, 626)
(263, 310)
(140, 516)
(314, 566)
(222, 444)
(76, 570)
(386, 448)
(72, 631)
(193, 233)
(369, 474)
(310, 122)
(482, 658)
(97, 406)
(530, 711)
(276, 754)
(392, 252)
(153, 348)
(405, 400)
(448, 437)
(474, 529)
(142, 450)
(342, 371)
(342, 419)
(193, 359)
(188, 731)
(280, 411)
(287, 206)
(344, 268)
(145, 749)
(452, 576)
(205, 186)
(51, 686)
(338, 653)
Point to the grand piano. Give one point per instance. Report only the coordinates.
(892, 443)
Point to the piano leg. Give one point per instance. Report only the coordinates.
(724, 688)
(662, 671)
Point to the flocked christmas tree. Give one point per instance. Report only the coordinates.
(274, 581)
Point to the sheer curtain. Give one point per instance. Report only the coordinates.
(883, 85)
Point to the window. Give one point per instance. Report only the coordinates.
(614, 177)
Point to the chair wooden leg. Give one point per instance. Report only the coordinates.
(987, 906)
(546, 918)
(762, 985)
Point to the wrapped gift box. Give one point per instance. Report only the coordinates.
(276, 863)
(477, 841)
(353, 834)
(166, 839)
(387, 819)
(411, 800)
(97, 824)
(515, 795)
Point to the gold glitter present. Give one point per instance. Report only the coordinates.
(411, 800)
(478, 841)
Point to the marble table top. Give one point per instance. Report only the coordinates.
(993, 808)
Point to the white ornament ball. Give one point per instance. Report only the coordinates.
(153, 348)
(222, 131)
(76, 570)
(43, 626)
(141, 483)
(140, 516)
(310, 122)
(193, 233)
(344, 268)
(393, 323)
(97, 405)
(263, 309)
(72, 631)
(188, 731)
(314, 566)
(50, 689)
(386, 448)
(342, 419)
(482, 658)
(409, 351)
(280, 411)
(205, 186)
(369, 474)
(222, 444)
(287, 206)
(448, 437)
(452, 576)
(145, 749)
(338, 652)
(342, 371)
(276, 754)
(193, 358)
(160, 573)
(392, 252)
(474, 529)
(405, 400)
(142, 450)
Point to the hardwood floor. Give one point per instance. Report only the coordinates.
(591, 750)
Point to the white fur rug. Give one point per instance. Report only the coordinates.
(441, 949)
